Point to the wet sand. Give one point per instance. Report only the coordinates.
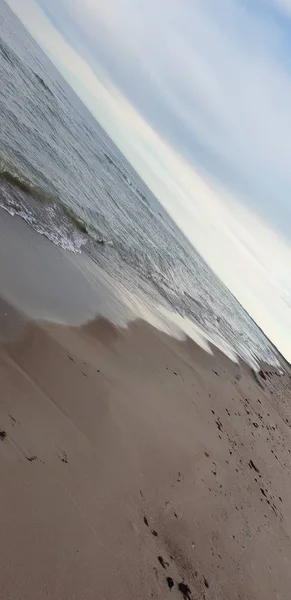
(136, 466)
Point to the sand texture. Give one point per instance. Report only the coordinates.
(134, 466)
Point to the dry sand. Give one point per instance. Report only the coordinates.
(132, 462)
(134, 466)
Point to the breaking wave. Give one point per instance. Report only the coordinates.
(43, 210)
(11, 176)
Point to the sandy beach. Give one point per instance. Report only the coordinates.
(133, 465)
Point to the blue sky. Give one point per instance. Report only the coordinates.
(197, 94)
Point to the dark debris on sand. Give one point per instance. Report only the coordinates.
(163, 562)
(31, 458)
(184, 590)
(63, 457)
(253, 466)
(170, 582)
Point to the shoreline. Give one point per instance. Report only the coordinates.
(45, 282)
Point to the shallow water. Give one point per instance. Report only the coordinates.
(61, 173)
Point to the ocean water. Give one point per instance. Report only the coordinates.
(63, 175)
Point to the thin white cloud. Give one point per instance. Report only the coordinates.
(284, 5)
(216, 67)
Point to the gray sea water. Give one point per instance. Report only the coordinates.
(62, 174)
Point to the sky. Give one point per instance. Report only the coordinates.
(196, 94)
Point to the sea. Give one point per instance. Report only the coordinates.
(62, 174)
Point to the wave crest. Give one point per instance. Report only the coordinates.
(41, 209)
